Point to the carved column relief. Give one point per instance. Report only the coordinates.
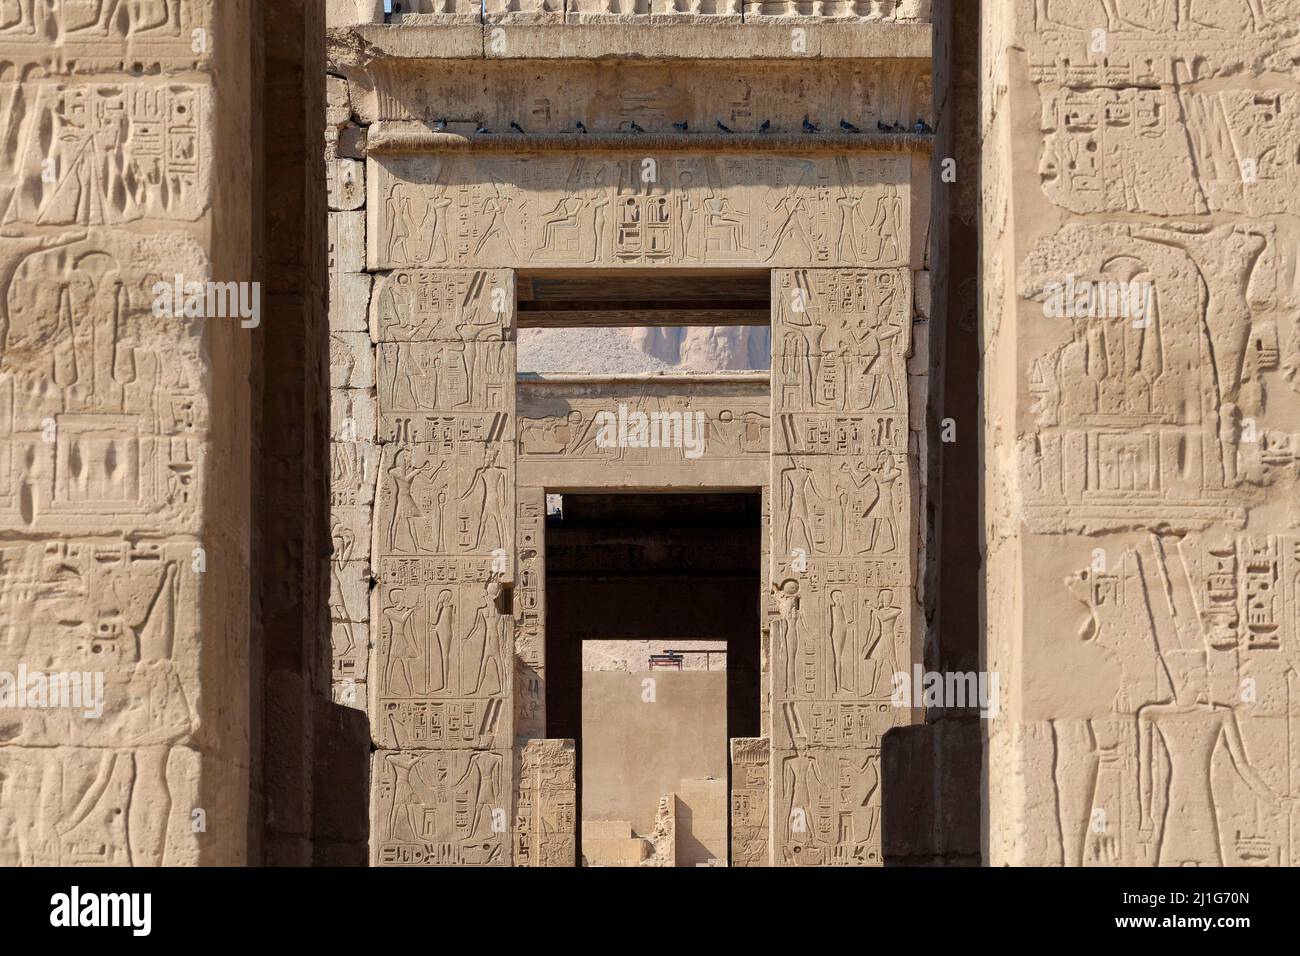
(842, 554)
(123, 576)
(354, 448)
(545, 804)
(751, 797)
(445, 545)
(530, 617)
(1144, 539)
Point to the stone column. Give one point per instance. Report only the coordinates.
(1140, 303)
(546, 804)
(750, 800)
(127, 309)
(442, 670)
(530, 618)
(842, 553)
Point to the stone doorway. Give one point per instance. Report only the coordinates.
(653, 630)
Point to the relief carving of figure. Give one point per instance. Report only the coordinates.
(403, 648)
(888, 225)
(1189, 730)
(488, 496)
(404, 527)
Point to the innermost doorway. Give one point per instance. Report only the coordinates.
(653, 663)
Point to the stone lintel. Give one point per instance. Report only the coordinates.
(671, 39)
(394, 137)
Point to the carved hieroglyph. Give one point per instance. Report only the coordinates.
(545, 803)
(123, 578)
(466, 457)
(530, 617)
(104, 153)
(90, 36)
(105, 422)
(751, 793)
(609, 209)
(441, 807)
(444, 553)
(842, 571)
(645, 432)
(741, 94)
(1143, 411)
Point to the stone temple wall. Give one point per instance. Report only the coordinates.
(348, 12)
(1140, 291)
(164, 579)
(124, 428)
(452, 163)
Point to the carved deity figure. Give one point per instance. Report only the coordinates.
(799, 488)
(805, 788)
(792, 637)
(488, 496)
(438, 650)
(481, 647)
(841, 640)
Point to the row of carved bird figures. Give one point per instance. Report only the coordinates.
(920, 127)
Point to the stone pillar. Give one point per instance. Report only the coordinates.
(530, 618)
(751, 759)
(843, 545)
(546, 804)
(444, 547)
(1140, 297)
(124, 428)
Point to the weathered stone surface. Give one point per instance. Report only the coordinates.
(545, 804)
(458, 669)
(346, 13)
(441, 808)
(347, 238)
(1142, 536)
(354, 416)
(124, 398)
(769, 211)
(345, 174)
(750, 799)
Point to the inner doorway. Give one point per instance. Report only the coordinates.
(653, 661)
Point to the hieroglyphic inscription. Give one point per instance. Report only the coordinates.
(100, 154)
(750, 796)
(545, 802)
(1190, 763)
(86, 36)
(641, 431)
(1152, 356)
(441, 808)
(841, 554)
(530, 616)
(445, 549)
(1167, 333)
(127, 612)
(627, 209)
